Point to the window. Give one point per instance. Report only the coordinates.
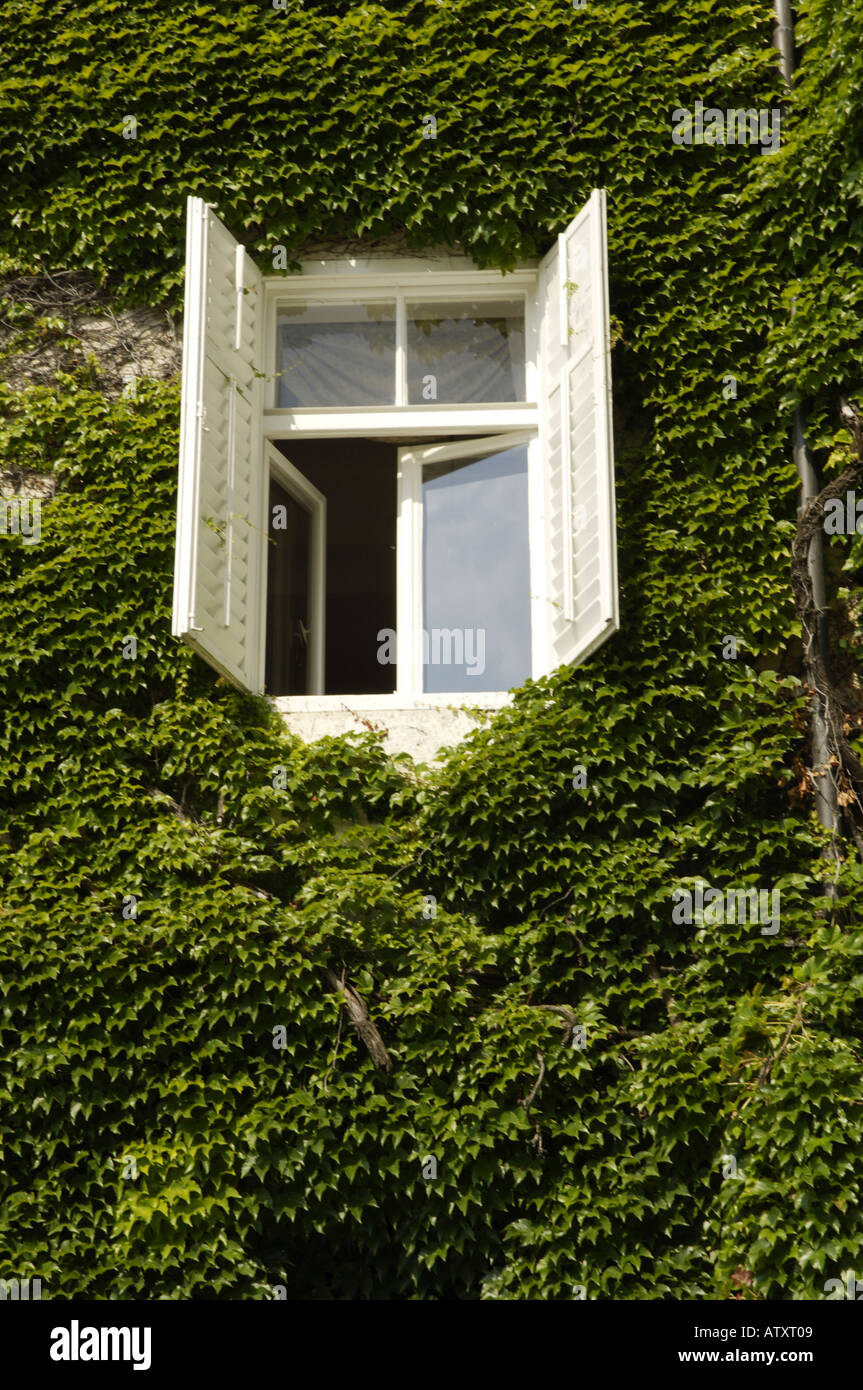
(466, 619)
(294, 654)
(336, 354)
(396, 478)
(465, 351)
(353, 559)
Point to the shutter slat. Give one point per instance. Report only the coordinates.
(221, 476)
(581, 560)
(212, 565)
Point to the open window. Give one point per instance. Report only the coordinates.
(352, 563)
(296, 605)
(464, 622)
(396, 480)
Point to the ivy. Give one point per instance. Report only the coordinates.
(187, 1110)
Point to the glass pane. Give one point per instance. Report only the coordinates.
(287, 595)
(336, 355)
(465, 352)
(476, 574)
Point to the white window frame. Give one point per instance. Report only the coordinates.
(400, 282)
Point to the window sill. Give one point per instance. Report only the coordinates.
(320, 704)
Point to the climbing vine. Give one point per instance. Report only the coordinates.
(307, 1018)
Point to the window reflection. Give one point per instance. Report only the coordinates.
(476, 573)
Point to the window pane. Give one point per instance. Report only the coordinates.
(461, 352)
(288, 558)
(336, 355)
(476, 574)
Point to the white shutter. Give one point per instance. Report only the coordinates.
(576, 440)
(221, 501)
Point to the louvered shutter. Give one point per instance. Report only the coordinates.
(576, 440)
(220, 512)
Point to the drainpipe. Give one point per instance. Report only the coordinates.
(810, 486)
(783, 38)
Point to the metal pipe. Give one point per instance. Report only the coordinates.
(810, 486)
(783, 38)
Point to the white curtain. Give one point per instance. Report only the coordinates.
(342, 357)
(472, 358)
(336, 363)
